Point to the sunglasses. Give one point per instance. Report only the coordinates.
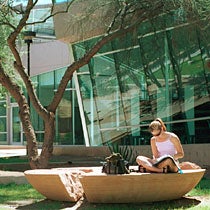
(157, 134)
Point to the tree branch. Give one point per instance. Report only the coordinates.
(87, 57)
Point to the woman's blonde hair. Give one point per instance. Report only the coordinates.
(157, 124)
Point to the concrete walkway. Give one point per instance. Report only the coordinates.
(12, 176)
(12, 152)
(7, 177)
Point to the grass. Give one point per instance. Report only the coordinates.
(21, 163)
(203, 188)
(14, 160)
(11, 193)
(23, 159)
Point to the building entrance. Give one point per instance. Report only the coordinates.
(15, 128)
(3, 122)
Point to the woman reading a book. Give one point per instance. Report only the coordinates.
(166, 150)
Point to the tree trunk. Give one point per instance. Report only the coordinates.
(47, 147)
(35, 160)
(32, 148)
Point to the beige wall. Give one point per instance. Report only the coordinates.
(47, 56)
(197, 153)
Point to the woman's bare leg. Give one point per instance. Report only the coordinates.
(170, 164)
(148, 164)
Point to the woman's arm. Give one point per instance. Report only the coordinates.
(176, 141)
(155, 152)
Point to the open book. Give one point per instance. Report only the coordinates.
(169, 162)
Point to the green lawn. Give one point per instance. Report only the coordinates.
(203, 188)
(12, 192)
(22, 159)
(14, 160)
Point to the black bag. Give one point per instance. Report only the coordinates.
(115, 164)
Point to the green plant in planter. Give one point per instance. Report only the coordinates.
(127, 152)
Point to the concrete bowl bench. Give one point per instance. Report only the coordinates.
(138, 187)
(70, 184)
(60, 184)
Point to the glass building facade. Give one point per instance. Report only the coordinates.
(135, 79)
(68, 123)
(162, 69)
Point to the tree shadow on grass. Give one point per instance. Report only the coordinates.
(46, 205)
(83, 204)
(161, 205)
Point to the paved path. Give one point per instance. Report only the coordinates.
(7, 177)
(12, 176)
(12, 152)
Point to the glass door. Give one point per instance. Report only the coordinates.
(16, 128)
(3, 122)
